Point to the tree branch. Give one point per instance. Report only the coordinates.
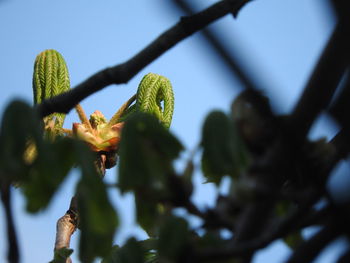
(323, 82)
(122, 73)
(278, 161)
(217, 45)
(13, 252)
(311, 248)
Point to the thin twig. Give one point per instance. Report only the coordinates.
(121, 111)
(122, 73)
(83, 118)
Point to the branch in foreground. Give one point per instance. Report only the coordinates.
(13, 252)
(122, 73)
(324, 80)
(226, 55)
(311, 248)
(315, 98)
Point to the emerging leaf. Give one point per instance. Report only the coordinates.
(173, 239)
(19, 123)
(52, 164)
(147, 150)
(98, 218)
(223, 151)
(146, 153)
(293, 240)
(50, 78)
(154, 89)
(61, 255)
(131, 252)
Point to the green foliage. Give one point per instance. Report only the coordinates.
(293, 240)
(146, 152)
(45, 175)
(42, 174)
(152, 90)
(50, 78)
(223, 150)
(154, 96)
(131, 252)
(61, 255)
(98, 219)
(19, 123)
(173, 239)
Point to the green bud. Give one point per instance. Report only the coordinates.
(50, 79)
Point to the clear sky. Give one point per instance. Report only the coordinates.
(279, 40)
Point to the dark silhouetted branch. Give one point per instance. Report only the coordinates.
(214, 42)
(345, 258)
(311, 248)
(13, 255)
(124, 72)
(323, 82)
(340, 109)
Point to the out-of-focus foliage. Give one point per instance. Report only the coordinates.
(41, 175)
(61, 255)
(98, 218)
(131, 252)
(147, 151)
(223, 150)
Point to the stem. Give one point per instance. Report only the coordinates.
(121, 110)
(66, 226)
(83, 118)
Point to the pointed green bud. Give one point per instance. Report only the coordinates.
(153, 91)
(50, 79)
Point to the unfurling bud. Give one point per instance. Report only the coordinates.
(50, 79)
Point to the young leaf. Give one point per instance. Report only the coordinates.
(173, 239)
(223, 151)
(50, 78)
(98, 219)
(61, 255)
(19, 123)
(52, 164)
(131, 252)
(293, 240)
(146, 152)
(154, 89)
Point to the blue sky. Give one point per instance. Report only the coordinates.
(279, 40)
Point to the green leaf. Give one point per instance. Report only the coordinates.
(61, 255)
(19, 123)
(152, 91)
(173, 239)
(52, 164)
(223, 150)
(283, 207)
(98, 218)
(50, 78)
(151, 257)
(293, 240)
(146, 152)
(131, 252)
(148, 213)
